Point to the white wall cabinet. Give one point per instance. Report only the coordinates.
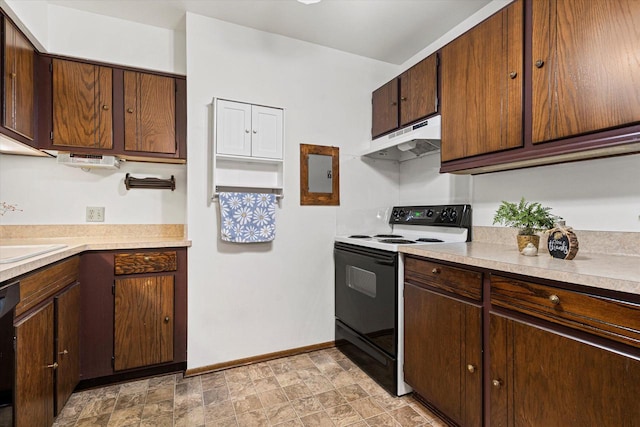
(249, 141)
(248, 130)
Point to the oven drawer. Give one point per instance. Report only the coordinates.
(606, 317)
(145, 262)
(466, 283)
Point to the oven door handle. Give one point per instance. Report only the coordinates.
(389, 262)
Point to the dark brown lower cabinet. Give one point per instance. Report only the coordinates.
(35, 369)
(67, 307)
(443, 353)
(143, 321)
(542, 378)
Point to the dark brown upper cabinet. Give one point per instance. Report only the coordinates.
(19, 82)
(482, 87)
(419, 91)
(82, 105)
(585, 66)
(407, 98)
(384, 108)
(575, 97)
(100, 109)
(150, 113)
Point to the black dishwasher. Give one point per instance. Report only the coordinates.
(9, 297)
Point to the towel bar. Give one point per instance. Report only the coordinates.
(215, 196)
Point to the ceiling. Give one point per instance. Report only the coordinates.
(387, 30)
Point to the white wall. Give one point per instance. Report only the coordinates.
(101, 38)
(32, 18)
(48, 193)
(600, 194)
(247, 300)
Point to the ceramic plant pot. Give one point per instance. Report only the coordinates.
(524, 239)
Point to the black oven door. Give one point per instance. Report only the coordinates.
(366, 293)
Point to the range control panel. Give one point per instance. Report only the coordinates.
(436, 215)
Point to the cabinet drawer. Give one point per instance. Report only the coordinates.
(462, 282)
(606, 317)
(145, 262)
(39, 286)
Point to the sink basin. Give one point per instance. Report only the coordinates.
(14, 253)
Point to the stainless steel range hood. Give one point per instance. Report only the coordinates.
(411, 142)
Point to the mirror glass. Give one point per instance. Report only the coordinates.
(320, 173)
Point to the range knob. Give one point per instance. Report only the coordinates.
(402, 213)
(453, 215)
(429, 213)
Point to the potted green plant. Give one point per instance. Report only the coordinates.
(529, 217)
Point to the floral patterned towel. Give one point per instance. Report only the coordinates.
(247, 217)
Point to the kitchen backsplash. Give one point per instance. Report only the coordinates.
(602, 242)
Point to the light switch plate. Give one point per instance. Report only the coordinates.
(95, 213)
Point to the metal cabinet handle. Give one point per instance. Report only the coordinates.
(555, 299)
(53, 366)
(166, 319)
(435, 270)
(513, 75)
(105, 107)
(471, 368)
(497, 383)
(394, 103)
(539, 63)
(63, 352)
(146, 258)
(246, 131)
(255, 131)
(404, 98)
(129, 110)
(12, 75)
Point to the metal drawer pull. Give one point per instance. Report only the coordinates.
(435, 270)
(53, 366)
(471, 368)
(63, 352)
(166, 319)
(146, 258)
(513, 75)
(496, 383)
(539, 63)
(555, 299)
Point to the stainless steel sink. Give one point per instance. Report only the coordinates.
(14, 253)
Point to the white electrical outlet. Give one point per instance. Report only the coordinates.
(95, 213)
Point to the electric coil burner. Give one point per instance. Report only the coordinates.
(369, 278)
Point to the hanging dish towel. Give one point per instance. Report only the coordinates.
(247, 217)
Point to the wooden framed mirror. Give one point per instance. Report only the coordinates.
(319, 175)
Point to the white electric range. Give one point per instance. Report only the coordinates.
(369, 282)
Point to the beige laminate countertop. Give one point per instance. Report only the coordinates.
(612, 272)
(76, 245)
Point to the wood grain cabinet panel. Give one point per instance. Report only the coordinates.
(443, 348)
(384, 108)
(540, 378)
(145, 262)
(19, 83)
(82, 105)
(34, 401)
(67, 307)
(150, 113)
(459, 281)
(585, 72)
(144, 313)
(419, 90)
(482, 87)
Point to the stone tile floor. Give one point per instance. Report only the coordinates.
(321, 388)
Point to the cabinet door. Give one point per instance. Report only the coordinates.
(143, 321)
(19, 82)
(482, 86)
(585, 72)
(384, 109)
(419, 90)
(68, 344)
(82, 115)
(266, 132)
(35, 369)
(540, 378)
(233, 133)
(443, 353)
(149, 118)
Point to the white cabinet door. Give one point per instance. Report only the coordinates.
(266, 125)
(233, 134)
